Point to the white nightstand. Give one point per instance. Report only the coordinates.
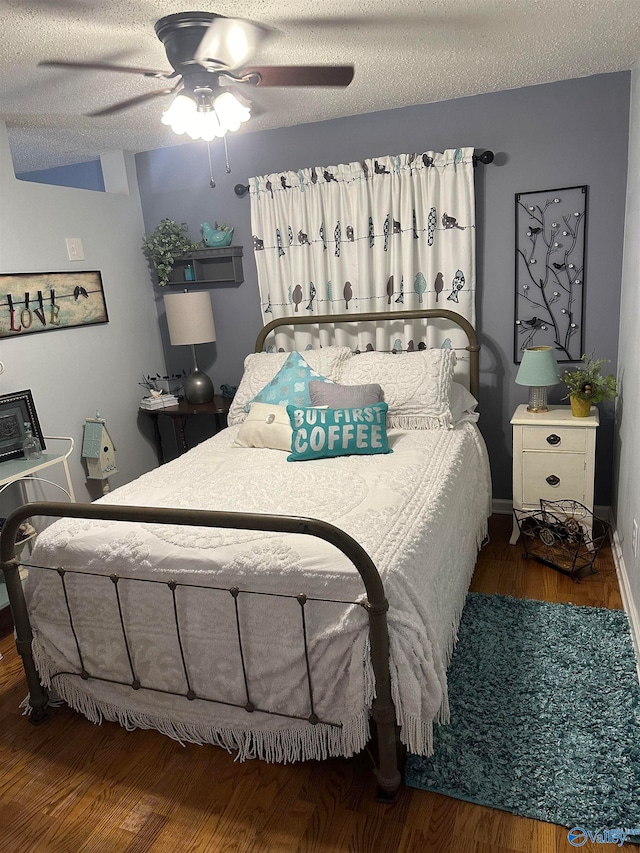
(553, 458)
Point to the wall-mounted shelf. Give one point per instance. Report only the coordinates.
(208, 266)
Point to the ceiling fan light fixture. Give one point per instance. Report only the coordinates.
(209, 127)
(230, 111)
(201, 117)
(179, 113)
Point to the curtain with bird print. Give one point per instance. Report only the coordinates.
(394, 232)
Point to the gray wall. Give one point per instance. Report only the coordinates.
(627, 497)
(74, 372)
(561, 134)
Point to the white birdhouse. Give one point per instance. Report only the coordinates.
(98, 450)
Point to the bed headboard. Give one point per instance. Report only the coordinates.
(472, 347)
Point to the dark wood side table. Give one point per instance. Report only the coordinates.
(179, 414)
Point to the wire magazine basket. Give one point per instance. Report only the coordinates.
(564, 535)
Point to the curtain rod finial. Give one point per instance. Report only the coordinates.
(485, 158)
(240, 190)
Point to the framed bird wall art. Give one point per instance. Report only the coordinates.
(41, 302)
(550, 271)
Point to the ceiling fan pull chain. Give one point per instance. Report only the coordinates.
(212, 182)
(226, 156)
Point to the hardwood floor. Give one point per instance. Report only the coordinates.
(68, 786)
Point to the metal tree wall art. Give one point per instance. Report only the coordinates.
(550, 271)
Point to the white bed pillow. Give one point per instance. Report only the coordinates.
(265, 426)
(261, 367)
(416, 385)
(463, 405)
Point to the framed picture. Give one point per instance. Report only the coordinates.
(16, 410)
(550, 271)
(42, 302)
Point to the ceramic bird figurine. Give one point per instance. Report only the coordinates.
(216, 235)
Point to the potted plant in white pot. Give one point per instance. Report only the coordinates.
(587, 386)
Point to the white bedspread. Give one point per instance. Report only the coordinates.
(419, 512)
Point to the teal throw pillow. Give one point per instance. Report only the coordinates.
(290, 385)
(321, 433)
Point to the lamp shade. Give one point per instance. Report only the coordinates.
(189, 318)
(538, 367)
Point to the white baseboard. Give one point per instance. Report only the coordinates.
(627, 599)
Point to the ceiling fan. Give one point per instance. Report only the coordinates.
(208, 54)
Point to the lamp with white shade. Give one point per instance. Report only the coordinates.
(190, 322)
(538, 370)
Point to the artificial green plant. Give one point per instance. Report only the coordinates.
(168, 241)
(587, 382)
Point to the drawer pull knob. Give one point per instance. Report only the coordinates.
(553, 480)
(553, 439)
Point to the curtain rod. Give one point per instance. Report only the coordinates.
(485, 158)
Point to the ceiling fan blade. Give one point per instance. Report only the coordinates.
(131, 102)
(105, 66)
(298, 75)
(230, 42)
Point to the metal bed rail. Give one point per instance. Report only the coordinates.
(473, 347)
(375, 603)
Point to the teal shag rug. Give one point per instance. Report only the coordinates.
(545, 715)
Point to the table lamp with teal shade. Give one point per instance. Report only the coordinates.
(539, 370)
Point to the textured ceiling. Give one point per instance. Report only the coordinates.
(405, 53)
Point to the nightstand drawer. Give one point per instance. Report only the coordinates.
(553, 476)
(554, 438)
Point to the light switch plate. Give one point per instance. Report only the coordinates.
(75, 251)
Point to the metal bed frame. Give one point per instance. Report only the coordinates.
(375, 603)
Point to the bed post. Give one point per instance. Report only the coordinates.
(383, 710)
(10, 565)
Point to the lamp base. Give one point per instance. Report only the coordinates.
(538, 399)
(198, 388)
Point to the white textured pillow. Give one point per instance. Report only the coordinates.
(463, 405)
(261, 367)
(265, 426)
(416, 385)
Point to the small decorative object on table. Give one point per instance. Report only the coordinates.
(588, 386)
(563, 535)
(156, 385)
(158, 400)
(99, 451)
(31, 446)
(216, 235)
(19, 424)
(228, 391)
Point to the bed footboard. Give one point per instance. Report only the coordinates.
(375, 603)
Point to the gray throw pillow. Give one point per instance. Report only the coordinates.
(344, 396)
